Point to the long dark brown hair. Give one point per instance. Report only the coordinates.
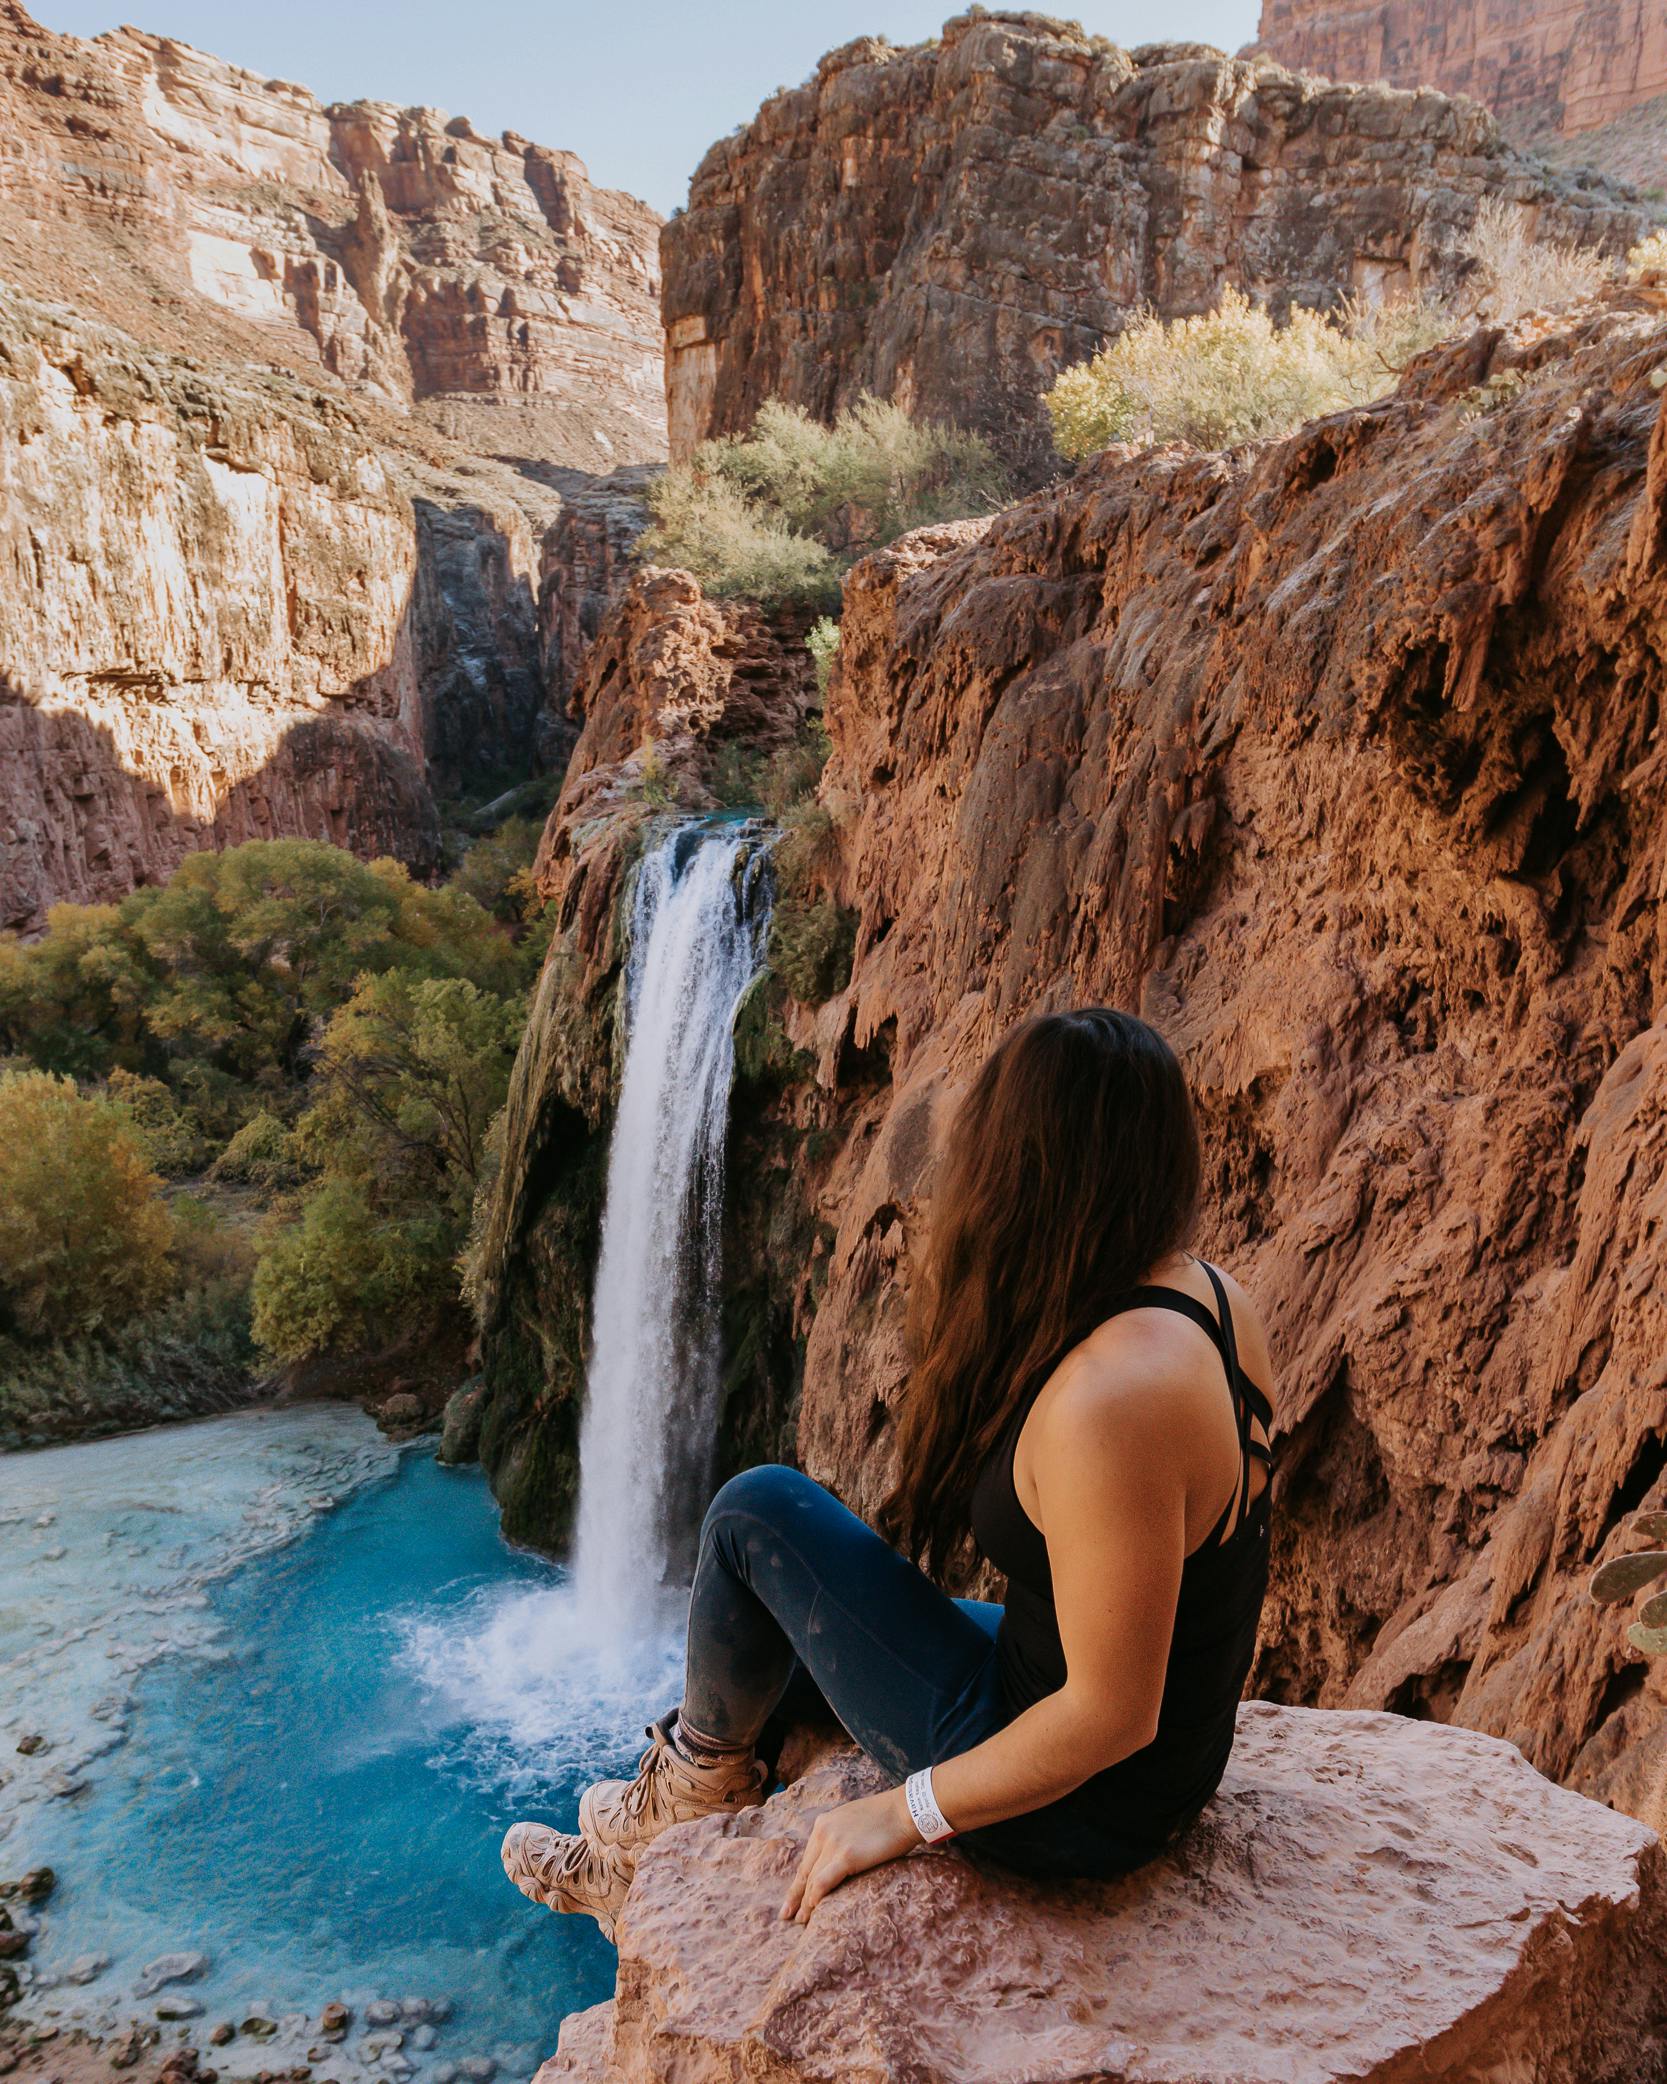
(1071, 1168)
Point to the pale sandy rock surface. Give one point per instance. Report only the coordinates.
(199, 205)
(953, 223)
(1367, 1898)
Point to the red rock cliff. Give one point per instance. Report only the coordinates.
(290, 395)
(1567, 65)
(1340, 758)
(953, 223)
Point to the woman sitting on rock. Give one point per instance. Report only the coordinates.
(1079, 1416)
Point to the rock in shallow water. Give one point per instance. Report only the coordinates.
(1368, 1898)
(169, 1968)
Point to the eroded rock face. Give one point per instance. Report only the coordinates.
(290, 397)
(394, 248)
(1366, 1899)
(233, 613)
(1567, 65)
(1337, 759)
(952, 224)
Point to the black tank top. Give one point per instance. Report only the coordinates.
(1156, 1789)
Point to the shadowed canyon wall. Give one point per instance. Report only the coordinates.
(291, 396)
(1339, 758)
(1567, 65)
(953, 223)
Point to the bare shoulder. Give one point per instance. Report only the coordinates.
(1120, 1384)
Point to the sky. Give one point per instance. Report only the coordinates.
(638, 88)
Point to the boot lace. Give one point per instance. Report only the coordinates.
(639, 1798)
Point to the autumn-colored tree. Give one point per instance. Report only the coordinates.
(84, 1233)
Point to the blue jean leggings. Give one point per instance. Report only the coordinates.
(791, 1588)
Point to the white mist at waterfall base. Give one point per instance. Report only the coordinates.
(554, 1670)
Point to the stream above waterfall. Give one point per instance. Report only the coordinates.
(301, 1686)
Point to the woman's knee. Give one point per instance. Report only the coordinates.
(772, 1493)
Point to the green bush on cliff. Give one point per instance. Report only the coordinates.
(84, 1232)
(1233, 374)
(822, 642)
(710, 527)
(811, 945)
(778, 514)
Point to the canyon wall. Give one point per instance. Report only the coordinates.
(1338, 757)
(208, 210)
(292, 396)
(953, 223)
(1563, 65)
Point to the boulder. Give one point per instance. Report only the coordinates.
(1368, 1898)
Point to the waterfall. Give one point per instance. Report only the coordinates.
(646, 1444)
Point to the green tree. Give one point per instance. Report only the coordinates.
(345, 1278)
(84, 1233)
(410, 1073)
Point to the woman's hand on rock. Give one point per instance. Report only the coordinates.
(846, 1841)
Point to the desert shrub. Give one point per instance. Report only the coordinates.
(84, 1233)
(822, 642)
(735, 548)
(261, 1154)
(1648, 258)
(172, 1138)
(778, 514)
(1234, 374)
(1516, 273)
(811, 944)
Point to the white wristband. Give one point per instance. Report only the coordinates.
(929, 1819)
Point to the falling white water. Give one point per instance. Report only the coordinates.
(645, 1448)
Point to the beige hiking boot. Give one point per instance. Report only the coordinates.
(622, 1815)
(567, 1873)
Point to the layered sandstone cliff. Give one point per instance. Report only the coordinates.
(1339, 758)
(953, 223)
(1567, 65)
(291, 396)
(208, 210)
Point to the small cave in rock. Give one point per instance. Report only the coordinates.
(1431, 1696)
(1648, 1462)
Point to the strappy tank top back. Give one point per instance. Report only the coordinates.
(1217, 1611)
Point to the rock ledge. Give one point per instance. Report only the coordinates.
(1368, 1898)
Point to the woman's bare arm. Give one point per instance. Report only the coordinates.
(1111, 1489)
